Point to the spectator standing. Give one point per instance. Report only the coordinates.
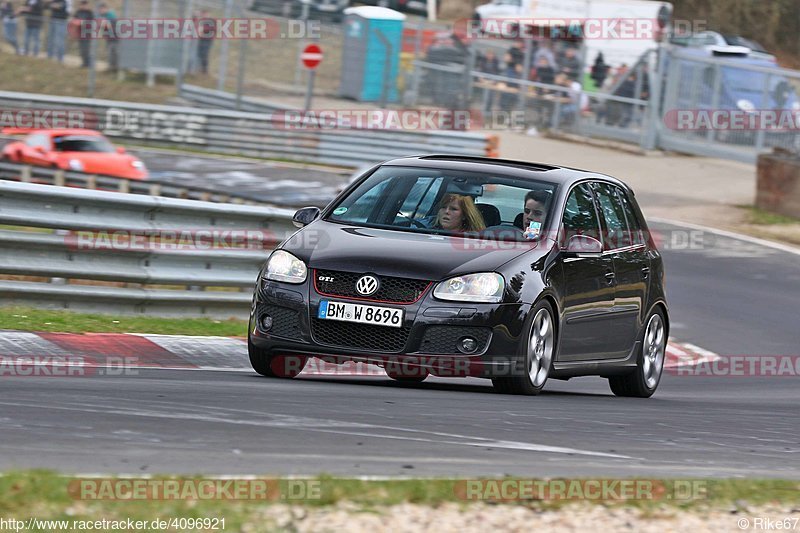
(571, 64)
(34, 13)
(545, 51)
(57, 29)
(544, 71)
(206, 27)
(599, 70)
(489, 63)
(109, 21)
(83, 14)
(9, 17)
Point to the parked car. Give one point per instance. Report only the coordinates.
(73, 149)
(713, 40)
(549, 273)
(327, 9)
(413, 7)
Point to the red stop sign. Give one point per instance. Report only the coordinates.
(311, 56)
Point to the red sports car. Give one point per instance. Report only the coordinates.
(73, 149)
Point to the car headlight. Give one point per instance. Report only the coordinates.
(745, 105)
(483, 287)
(283, 266)
(138, 165)
(76, 164)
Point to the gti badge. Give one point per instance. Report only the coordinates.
(367, 285)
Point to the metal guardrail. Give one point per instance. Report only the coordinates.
(151, 187)
(185, 243)
(214, 99)
(252, 134)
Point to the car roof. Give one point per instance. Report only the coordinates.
(72, 131)
(507, 167)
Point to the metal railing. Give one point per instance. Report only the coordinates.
(253, 134)
(150, 187)
(123, 253)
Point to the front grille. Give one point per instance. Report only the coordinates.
(359, 336)
(443, 339)
(393, 290)
(285, 322)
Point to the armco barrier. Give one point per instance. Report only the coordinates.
(60, 255)
(151, 187)
(252, 134)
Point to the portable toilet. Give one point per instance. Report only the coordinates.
(373, 38)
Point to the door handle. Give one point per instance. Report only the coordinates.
(645, 272)
(610, 277)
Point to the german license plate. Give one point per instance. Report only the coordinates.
(362, 314)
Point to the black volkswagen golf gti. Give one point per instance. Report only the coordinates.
(469, 266)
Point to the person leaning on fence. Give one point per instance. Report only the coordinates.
(34, 13)
(57, 29)
(9, 18)
(206, 28)
(570, 63)
(82, 15)
(109, 21)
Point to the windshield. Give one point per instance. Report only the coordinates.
(435, 201)
(82, 144)
(736, 40)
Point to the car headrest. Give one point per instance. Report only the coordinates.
(518, 221)
(491, 215)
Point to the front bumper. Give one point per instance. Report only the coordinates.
(427, 339)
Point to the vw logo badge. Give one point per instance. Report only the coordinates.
(367, 285)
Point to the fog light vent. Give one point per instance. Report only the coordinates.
(467, 345)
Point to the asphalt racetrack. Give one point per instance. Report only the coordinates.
(730, 296)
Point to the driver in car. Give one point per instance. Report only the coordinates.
(458, 213)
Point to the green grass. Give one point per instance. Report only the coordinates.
(47, 495)
(767, 218)
(29, 319)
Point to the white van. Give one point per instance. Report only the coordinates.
(622, 29)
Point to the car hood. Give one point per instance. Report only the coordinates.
(325, 245)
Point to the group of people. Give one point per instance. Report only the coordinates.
(58, 15)
(63, 18)
(458, 213)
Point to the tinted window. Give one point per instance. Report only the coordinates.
(616, 234)
(635, 225)
(82, 144)
(580, 215)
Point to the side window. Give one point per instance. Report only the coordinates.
(580, 215)
(616, 233)
(635, 225)
(420, 198)
(38, 139)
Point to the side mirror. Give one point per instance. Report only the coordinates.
(305, 216)
(583, 246)
(120, 149)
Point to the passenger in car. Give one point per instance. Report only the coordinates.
(535, 208)
(458, 213)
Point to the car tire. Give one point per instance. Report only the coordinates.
(275, 366)
(534, 360)
(643, 382)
